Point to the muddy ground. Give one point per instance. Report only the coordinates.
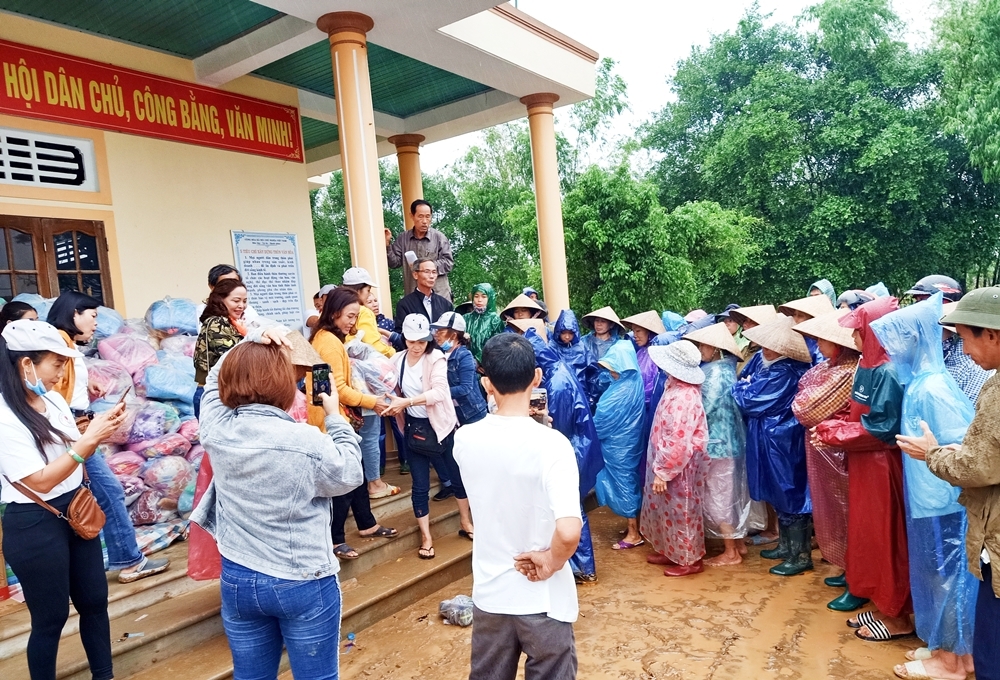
(729, 622)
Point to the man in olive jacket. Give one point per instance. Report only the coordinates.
(975, 467)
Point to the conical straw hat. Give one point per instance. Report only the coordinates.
(650, 320)
(779, 337)
(524, 324)
(302, 353)
(761, 314)
(813, 305)
(521, 301)
(825, 327)
(716, 335)
(605, 313)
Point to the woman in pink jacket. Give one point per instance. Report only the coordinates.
(430, 422)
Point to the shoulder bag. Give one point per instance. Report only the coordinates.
(83, 513)
(420, 436)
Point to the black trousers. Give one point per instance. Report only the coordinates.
(55, 565)
(986, 641)
(358, 502)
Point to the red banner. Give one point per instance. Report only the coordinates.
(42, 84)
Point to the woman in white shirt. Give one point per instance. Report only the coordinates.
(43, 451)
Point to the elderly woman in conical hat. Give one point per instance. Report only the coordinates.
(522, 307)
(825, 394)
(677, 461)
(727, 496)
(804, 309)
(776, 457)
(747, 318)
(606, 329)
(645, 327)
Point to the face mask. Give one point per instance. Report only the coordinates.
(38, 387)
(447, 345)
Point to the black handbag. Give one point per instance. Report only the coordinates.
(420, 436)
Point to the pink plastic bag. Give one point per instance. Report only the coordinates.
(194, 456)
(109, 378)
(204, 560)
(125, 463)
(179, 344)
(189, 430)
(168, 445)
(129, 351)
(168, 475)
(152, 507)
(133, 487)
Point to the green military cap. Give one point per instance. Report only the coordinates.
(979, 308)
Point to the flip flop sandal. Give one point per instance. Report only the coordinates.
(918, 654)
(381, 532)
(465, 534)
(880, 633)
(343, 551)
(864, 618)
(426, 553)
(624, 545)
(913, 670)
(389, 490)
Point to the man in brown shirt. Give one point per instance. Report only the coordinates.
(424, 242)
(975, 467)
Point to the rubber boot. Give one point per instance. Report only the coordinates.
(836, 581)
(800, 549)
(847, 602)
(782, 551)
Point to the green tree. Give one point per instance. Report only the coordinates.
(624, 250)
(833, 137)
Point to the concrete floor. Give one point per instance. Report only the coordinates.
(729, 622)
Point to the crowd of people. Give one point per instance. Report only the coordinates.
(846, 421)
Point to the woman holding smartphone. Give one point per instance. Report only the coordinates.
(336, 322)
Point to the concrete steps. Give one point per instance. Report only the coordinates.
(181, 630)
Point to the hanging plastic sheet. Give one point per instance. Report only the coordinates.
(619, 420)
(727, 496)
(944, 591)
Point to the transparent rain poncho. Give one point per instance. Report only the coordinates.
(619, 419)
(944, 591)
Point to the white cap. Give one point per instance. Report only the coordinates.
(25, 335)
(416, 327)
(358, 276)
(450, 321)
(327, 289)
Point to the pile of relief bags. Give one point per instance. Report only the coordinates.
(155, 455)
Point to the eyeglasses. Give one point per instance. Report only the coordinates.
(427, 271)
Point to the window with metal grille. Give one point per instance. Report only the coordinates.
(44, 160)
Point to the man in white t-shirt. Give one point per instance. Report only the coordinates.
(522, 481)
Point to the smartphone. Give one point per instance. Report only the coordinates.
(124, 394)
(540, 405)
(321, 382)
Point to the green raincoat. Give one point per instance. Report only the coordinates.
(483, 325)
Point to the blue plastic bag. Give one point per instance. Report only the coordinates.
(619, 420)
(40, 304)
(173, 316)
(169, 382)
(109, 322)
(944, 591)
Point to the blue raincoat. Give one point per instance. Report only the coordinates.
(727, 498)
(776, 450)
(619, 419)
(672, 320)
(944, 591)
(575, 354)
(599, 378)
(570, 415)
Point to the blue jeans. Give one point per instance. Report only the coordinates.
(420, 471)
(119, 534)
(370, 457)
(198, 394)
(262, 613)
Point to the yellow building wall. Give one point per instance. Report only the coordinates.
(169, 207)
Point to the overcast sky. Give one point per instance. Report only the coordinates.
(648, 37)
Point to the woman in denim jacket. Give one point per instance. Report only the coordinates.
(449, 335)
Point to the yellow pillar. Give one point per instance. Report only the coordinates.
(548, 204)
(410, 180)
(358, 153)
